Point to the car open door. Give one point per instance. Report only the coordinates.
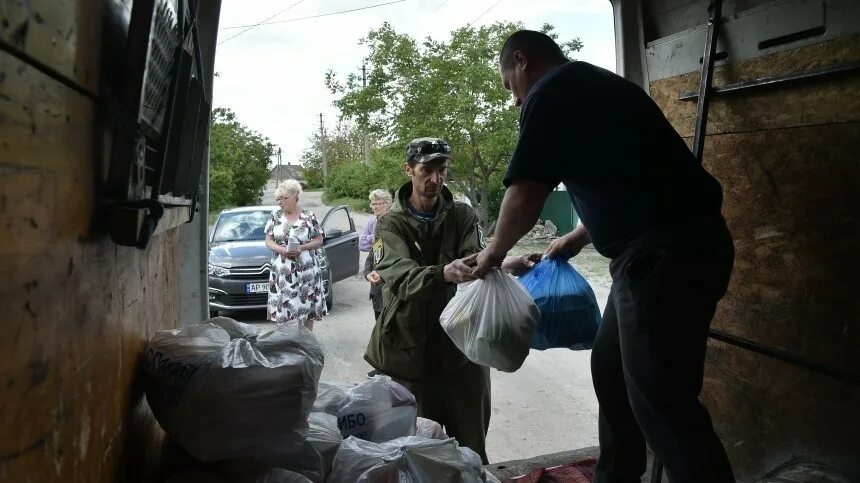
(340, 242)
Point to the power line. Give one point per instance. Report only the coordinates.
(440, 6)
(261, 22)
(485, 12)
(318, 16)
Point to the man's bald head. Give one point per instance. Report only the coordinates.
(525, 58)
(536, 46)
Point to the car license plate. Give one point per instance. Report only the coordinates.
(257, 287)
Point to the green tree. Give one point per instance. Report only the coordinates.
(348, 176)
(386, 167)
(239, 162)
(448, 89)
(220, 188)
(343, 144)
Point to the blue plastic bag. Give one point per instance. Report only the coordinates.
(570, 315)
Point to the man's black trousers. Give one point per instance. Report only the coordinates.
(649, 354)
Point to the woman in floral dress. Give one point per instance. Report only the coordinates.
(295, 284)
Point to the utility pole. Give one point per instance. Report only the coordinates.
(364, 128)
(322, 149)
(279, 164)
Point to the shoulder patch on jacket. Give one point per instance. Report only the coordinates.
(377, 250)
(481, 240)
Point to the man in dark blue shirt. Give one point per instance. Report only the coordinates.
(648, 205)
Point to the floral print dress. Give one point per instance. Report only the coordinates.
(295, 286)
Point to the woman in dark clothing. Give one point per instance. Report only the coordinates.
(375, 286)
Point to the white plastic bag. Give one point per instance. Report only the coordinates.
(427, 428)
(325, 437)
(408, 460)
(331, 396)
(225, 390)
(378, 410)
(492, 321)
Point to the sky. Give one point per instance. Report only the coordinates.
(272, 76)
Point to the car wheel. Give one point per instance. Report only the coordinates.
(329, 295)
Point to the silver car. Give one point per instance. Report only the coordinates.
(239, 260)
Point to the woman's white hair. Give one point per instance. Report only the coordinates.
(383, 195)
(288, 188)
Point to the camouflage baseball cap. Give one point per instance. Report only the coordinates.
(423, 150)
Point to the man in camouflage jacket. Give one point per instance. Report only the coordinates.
(422, 250)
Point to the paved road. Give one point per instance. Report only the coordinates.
(547, 406)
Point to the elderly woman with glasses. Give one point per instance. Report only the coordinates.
(295, 284)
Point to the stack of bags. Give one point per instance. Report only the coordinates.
(411, 458)
(250, 400)
(385, 441)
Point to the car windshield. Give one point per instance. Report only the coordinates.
(241, 226)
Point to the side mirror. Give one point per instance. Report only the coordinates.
(333, 233)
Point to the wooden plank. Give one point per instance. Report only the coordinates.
(788, 162)
(42, 122)
(64, 35)
(790, 199)
(767, 413)
(78, 309)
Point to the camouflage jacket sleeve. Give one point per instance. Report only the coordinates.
(404, 277)
(472, 240)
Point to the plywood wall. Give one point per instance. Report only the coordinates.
(75, 309)
(789, 162)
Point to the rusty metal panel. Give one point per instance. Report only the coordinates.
(77, 308)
